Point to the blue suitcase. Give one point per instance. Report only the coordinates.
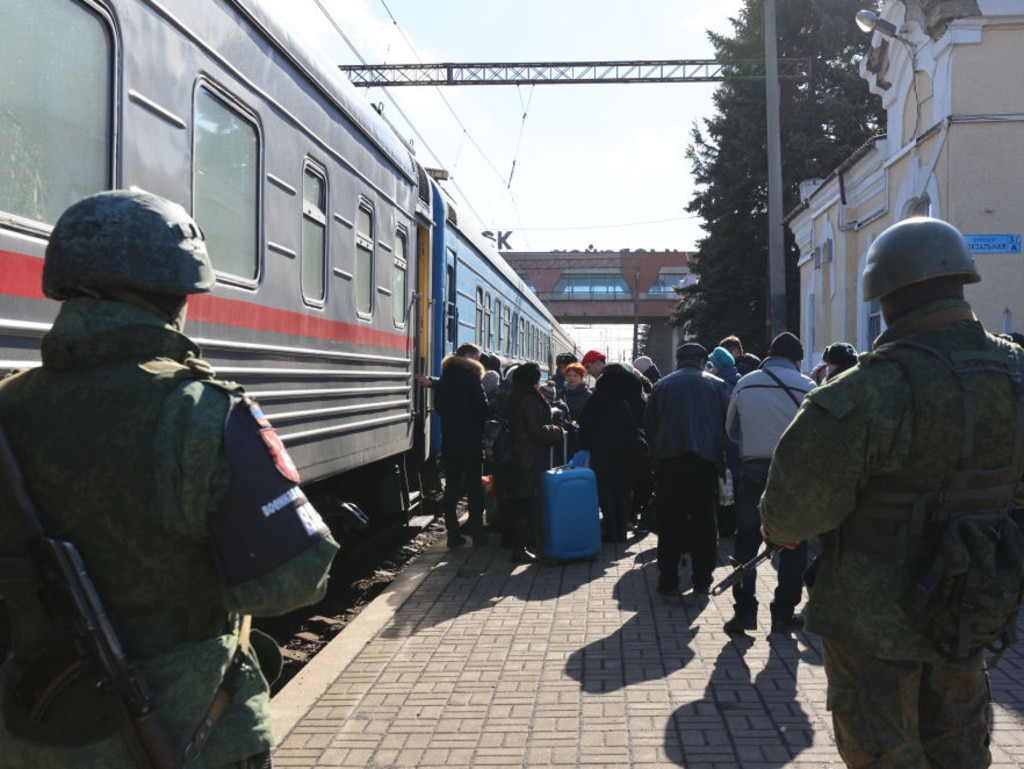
(572, 525)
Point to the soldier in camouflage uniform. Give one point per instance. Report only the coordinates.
(132, 450)
(865, 463)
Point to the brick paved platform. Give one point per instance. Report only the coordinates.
(470, 661)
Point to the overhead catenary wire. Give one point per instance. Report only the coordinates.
(466, 199)
(412, 127)
(467, 136)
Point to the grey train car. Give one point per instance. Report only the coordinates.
(320, 223)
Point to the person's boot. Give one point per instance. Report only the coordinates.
(519, 552)
(742, 620)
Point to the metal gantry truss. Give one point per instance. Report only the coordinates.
(527, 73)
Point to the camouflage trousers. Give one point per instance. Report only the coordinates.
(890, 714)
(259, 761)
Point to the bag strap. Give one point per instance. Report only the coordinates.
(787, 388)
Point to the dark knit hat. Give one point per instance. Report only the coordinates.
(691, 350)
(746, 363)
(526, 373)
(840, 354)
(786, 345)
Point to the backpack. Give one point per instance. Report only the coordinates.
(500, 451)
(969, 594)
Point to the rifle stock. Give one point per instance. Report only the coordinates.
(740, 571)
(60, 569)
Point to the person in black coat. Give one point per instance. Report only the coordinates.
(463, 408)
(611, 429)
(534, 432)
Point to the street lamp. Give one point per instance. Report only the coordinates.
(869, 22)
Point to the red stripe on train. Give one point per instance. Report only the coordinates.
(22, 275)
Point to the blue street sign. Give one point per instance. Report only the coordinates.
(993, 244)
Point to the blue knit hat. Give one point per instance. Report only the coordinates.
(721, 358)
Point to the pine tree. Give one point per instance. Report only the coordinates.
(823, 120)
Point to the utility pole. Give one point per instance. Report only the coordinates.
(776, 239)
(636, 311)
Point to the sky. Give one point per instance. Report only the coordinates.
(562, 166)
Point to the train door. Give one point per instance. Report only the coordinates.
(424, 333)
(451, 309)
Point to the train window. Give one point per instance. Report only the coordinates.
(522, 338)
(488, 328)
(498, 326)
(401, 267)
(314, 235)
(56, 67)
(364, 259)
(506, 328)
(225, 175)
(480, 318)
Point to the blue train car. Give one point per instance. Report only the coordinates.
(480, 299)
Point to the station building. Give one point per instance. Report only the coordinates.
(950, 74)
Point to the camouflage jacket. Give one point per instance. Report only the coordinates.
(869, 427)
(119, 435)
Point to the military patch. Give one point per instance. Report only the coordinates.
(264, 519)
(282, 459)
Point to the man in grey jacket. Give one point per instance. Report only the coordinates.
(685, 423)
(762, 405)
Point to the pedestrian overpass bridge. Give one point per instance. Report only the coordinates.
(629, 287)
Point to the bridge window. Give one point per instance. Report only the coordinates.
(592, 285)
(56, 132)
(668, 280)
(314, 235)
(226, 173)
(364, 259)
(401, 268)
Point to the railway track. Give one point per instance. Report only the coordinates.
(358, 576)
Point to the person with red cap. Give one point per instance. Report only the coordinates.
(594, 362)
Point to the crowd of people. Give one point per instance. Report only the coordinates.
(717, 416)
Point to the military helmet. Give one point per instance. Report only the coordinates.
(913, 250)
(126, 239)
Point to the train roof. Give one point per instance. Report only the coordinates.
(328, 79)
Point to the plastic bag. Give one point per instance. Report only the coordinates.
(580, 459)
(726, 491)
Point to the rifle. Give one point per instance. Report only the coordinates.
(58, 566)
(741, 570)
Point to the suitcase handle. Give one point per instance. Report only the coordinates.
(565, 450)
